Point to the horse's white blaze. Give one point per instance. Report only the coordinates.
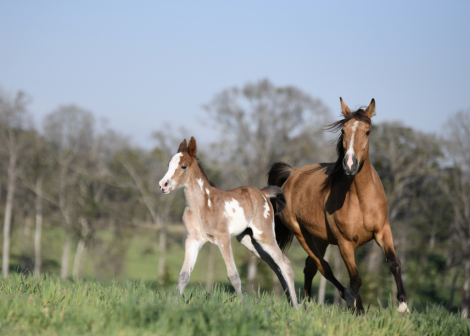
(266, 208)
(175, 160)
(199, 181)
(403, 307)
(236, 215)
(208, 197)
(350, 151)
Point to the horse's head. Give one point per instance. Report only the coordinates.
(355, 137)
(180, 167)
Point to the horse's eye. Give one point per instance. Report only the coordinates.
(342, 131)
(184, 167)
(367, 133)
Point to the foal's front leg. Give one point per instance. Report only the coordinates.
(225, 247)
(192, 247)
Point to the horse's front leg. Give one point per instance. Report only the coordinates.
(192, 247)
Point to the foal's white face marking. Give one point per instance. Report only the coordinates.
(199, 181)
(237, 221)
(172, 166)
(266, 208)
(208, 197)
(350, 151)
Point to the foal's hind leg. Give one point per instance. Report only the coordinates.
(385, 240)
(267, 248)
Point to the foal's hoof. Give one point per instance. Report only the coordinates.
(403, 308)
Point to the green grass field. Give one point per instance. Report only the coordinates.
(51, 306)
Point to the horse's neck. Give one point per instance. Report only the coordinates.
(363, 184)
(195, 189)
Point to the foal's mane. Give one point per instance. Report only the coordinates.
(203, 172)
(338, 173)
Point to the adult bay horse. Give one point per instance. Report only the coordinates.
(215, 215)
(341, 203)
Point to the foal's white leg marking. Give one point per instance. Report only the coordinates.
(245, 240)
(208, 197)
(350, 151)
(175, 160)
(192, 247)
(403, 307)
(237, 221)
(266, 208)
(199, 181)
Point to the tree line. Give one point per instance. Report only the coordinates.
(94, 186)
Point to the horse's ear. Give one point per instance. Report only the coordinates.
(370, 110)
(192, 147)
(183, 147)
(344, 108)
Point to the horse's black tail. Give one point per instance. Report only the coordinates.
(277, 176)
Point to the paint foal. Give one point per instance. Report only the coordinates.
(216, 215)
(341, 203)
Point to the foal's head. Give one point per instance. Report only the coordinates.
(180, 167)
(355, 130)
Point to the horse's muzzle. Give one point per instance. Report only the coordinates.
(350, 165)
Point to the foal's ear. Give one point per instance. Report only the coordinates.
(192, 147)
(183, 147)
(370, 110)
(344, 108)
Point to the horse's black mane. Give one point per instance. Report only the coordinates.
(203, 172)
(338, 173)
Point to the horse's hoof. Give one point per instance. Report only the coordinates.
(403, 308)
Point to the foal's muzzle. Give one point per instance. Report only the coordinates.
(350, 165)
(165, 186)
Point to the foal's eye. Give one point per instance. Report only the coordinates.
(342, 131)
(367, 133)
(184, 167)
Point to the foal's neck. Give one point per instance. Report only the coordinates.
(196, 188)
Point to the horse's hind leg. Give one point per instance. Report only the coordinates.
(308, 243)
(311, 269)
(385, 241)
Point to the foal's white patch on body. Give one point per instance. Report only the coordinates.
(350, 151)
(208, 197)
(199, 181)
(237, 221)
(175, 160)
(266, 208)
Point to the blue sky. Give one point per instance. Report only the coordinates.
(142, 64)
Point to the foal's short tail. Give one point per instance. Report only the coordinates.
(278, 175)
(277, 196)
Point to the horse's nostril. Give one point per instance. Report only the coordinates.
(166, 184)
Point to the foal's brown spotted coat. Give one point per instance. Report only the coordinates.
(216, 215)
